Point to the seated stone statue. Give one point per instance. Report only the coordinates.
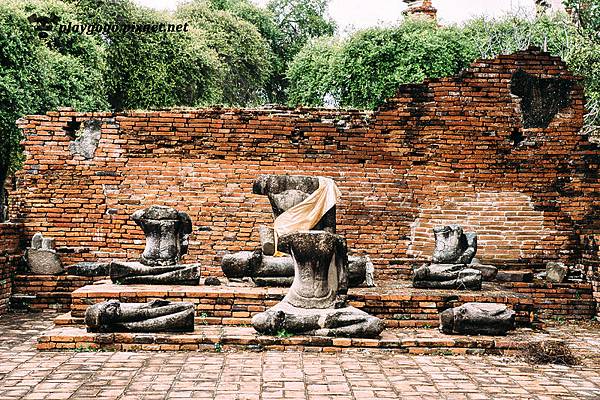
(316, 302)
(285, 192)
(478, 319)
(452, 246)
(454, 263)
(167, 232)
(155, 316)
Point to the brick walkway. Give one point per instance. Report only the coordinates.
(29, 374)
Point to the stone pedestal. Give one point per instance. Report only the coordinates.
(316, 302)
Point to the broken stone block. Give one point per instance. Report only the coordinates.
(42, 258)
(478, 319)
(87, 139)
(488, 272)
(514, 276)
(556, 272)
(447, 276)
(212, 281)
(155, 316)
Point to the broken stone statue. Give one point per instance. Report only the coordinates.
(285, 192)
(453, 262)
(42, 258)
(316, 302)
(167, 232)
(155, 316)
(478, 319)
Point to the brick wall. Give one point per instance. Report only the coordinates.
(452, 150)
(9, 255)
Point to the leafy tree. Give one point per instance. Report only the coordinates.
(244, 53)
(38, 74)
(374, 62)
(587, 16)
(153, 69)
(312, 73)
(300, 21)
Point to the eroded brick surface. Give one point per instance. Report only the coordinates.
(28, 374)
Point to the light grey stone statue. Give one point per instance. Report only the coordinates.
(285, 192)
(42, 258)
(316, 303)
(478, 319)
(167, 233)
(155, 316)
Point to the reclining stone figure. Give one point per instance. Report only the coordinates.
(155, 316)
(285, 192)
(167, 232)
(316, 303)
(478, 319)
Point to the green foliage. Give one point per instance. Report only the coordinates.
(369, 66)
(153, 69)
(244, 53)
(283, 334)
(300, 21)
(587, 16)
(41, 74)
(312, 73)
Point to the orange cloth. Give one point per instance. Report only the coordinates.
(304, 216)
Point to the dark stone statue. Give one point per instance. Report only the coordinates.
(452, 246)
(155, 316)
(478, 319)
(167, 232)
(316, 303)
(454, 264)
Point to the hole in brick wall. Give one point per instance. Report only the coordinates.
(296, 136)
(362, 161)
(328, 140)
(541, 98)
(516, 137)
(72, 128)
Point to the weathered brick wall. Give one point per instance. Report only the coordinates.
(10, 236)
(452, 150)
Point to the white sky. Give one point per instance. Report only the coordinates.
(356, 14)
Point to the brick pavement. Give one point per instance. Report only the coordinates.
(28, 374)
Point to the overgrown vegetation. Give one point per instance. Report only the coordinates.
(550, 352)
